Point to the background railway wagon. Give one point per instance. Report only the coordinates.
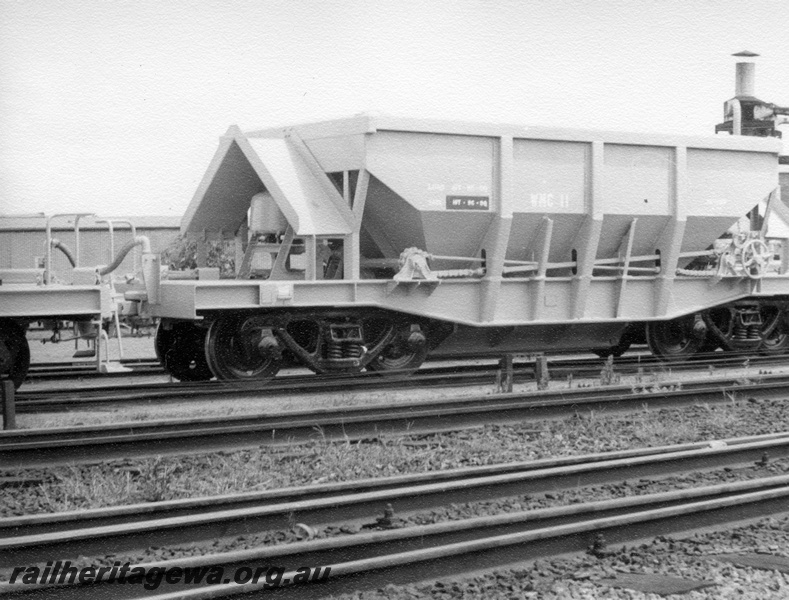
(22, 240)
(40, 284)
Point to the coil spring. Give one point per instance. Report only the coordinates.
(740, 332)
(352, 350)
(754, 332)
(334, 350)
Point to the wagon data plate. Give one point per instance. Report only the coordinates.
(468, 202)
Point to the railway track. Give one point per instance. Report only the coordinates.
(87, 370)
(147, 366)
(70, 398)
(64, 398)
(58, 446)
(638, 357)
(411, 553)
(128, 528)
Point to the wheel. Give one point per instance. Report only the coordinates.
(775, 333)
(402, 356)
(242, 348)
(180, 350)
(160, 342)
(397, 357)
(675, 340)
(14, 352)
(709, 346)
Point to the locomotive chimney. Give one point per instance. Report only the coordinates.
(745, 75)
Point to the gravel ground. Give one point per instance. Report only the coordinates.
(578, 577)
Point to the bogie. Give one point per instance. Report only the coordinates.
(749, 326)
(254, 346)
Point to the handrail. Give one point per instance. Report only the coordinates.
(140, 240)
(56, 243)
(110, 224)
(48, 265)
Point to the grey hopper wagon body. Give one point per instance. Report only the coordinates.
(371, 242)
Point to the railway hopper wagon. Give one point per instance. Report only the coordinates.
(372, 242)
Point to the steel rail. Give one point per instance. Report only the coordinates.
(148, 365)
(33, 539)
(558, 360)
(66, 445)
(451, 375)
(459, 548)
(84, 369)
(68, 398)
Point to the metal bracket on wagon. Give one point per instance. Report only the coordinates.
(746, 255)
(413, 266)
(415, 269)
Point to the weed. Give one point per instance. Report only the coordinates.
(717, 419)
(730, 397)
(652, 429)
(608, 376)
(155, 480)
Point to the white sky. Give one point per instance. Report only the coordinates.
(115, 107)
